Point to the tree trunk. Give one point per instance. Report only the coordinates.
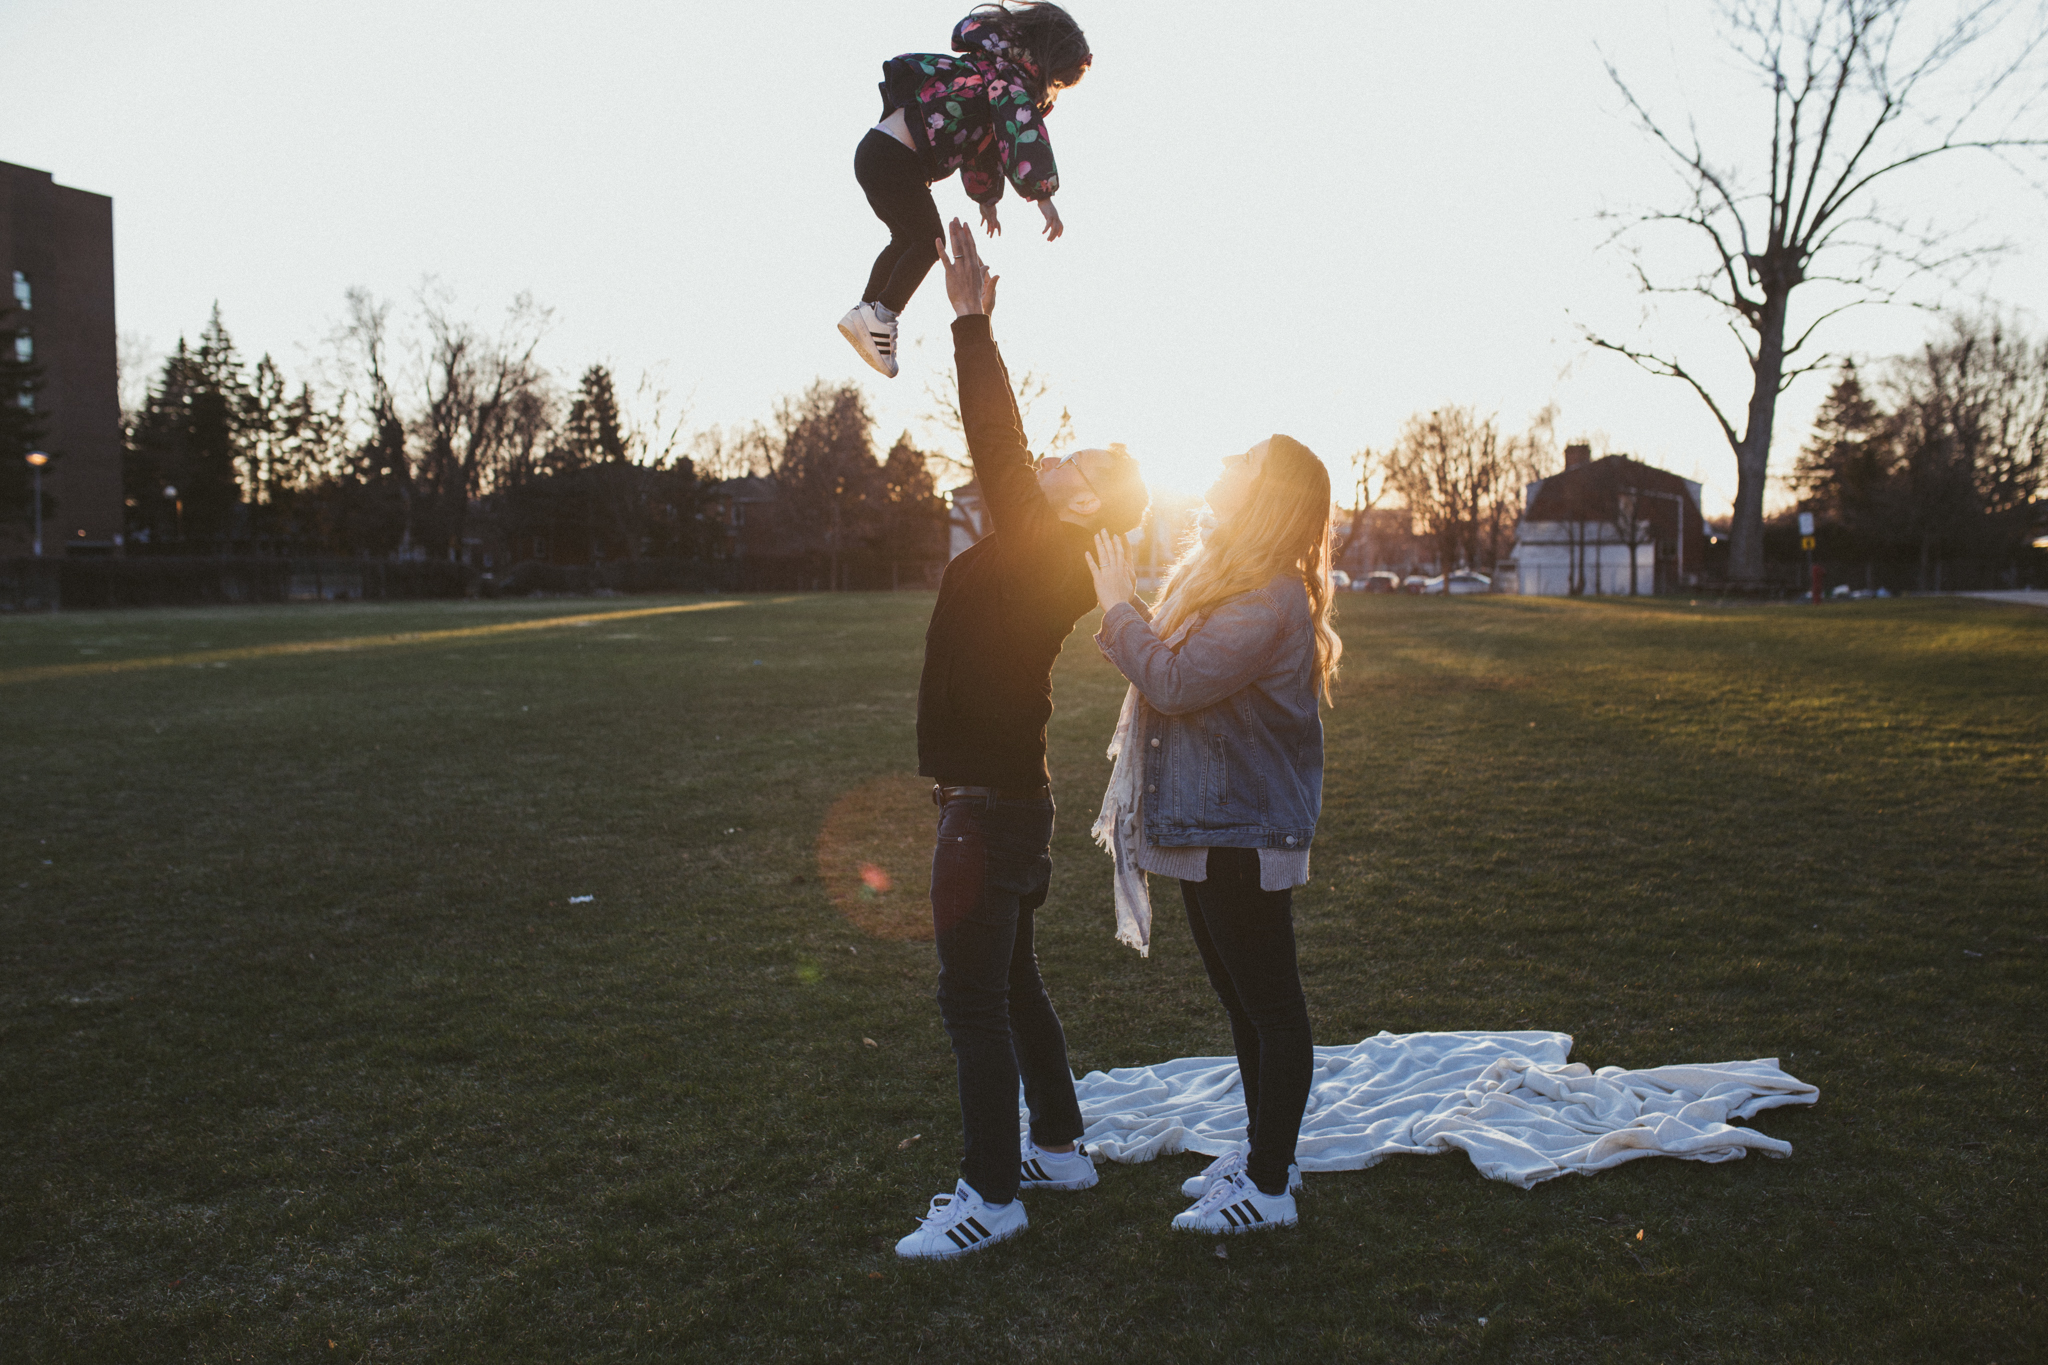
(833, 574)
(1753, 452)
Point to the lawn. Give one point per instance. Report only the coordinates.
(508, 996)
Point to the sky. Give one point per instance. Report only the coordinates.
(1316, 218)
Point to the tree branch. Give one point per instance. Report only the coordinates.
(1670, 369)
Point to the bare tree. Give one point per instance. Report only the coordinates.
(1860, 91)
(1045, 434)
(472, 395)
(1632, 523)
(135, 361)
(1462, 478)
(654, 423)
(1970, 441)
(749, 451)
(362, 346)
(1370, 471)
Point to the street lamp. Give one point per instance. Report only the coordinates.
(171, 493)
(36, 460)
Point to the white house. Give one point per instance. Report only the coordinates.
(1608, 527)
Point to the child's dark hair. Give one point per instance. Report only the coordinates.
(1056, 45)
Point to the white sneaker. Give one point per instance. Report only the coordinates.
(1043, 1170)
(1234, 1204)
(959, 1223)
(872, 337)
(1229, 1164)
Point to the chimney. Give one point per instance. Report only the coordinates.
(1576, 454)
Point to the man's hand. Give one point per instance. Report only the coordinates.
(989, 222)
(968, 282)
(1053, 226)
(1110, 567)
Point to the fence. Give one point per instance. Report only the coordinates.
(166, 580)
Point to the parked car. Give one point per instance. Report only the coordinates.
(1340, 580)
(1457, 583)
(1383, 580)
(1465, 582)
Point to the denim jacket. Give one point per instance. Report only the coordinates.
(1230, 732)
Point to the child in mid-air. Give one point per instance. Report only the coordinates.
(980, 110)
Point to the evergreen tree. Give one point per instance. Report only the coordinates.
(1850, 463)
(594, 432)
(916, 518)
(188, 437)
(831, 486)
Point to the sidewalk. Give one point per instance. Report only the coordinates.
(2026, 597)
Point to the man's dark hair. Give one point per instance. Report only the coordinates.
(1117, 481)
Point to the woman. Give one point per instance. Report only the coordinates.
(1219, 781)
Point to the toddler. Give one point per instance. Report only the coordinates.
(979, 109)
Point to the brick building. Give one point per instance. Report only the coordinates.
(57, 310)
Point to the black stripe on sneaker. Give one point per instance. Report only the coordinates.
(980, 1231)
(1230, 1217)
(1034, 1171)
(963, 1242)
(1253, 1209)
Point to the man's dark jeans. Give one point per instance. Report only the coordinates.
(989, 876)
(1246, 938)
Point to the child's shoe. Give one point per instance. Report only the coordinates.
(1234, 1204)
(959, 1223)
(874, 338)
(1043, 1170)
(1229, 1164)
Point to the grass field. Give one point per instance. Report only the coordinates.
(310, 1048)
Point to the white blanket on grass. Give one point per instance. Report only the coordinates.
(1508, 1100)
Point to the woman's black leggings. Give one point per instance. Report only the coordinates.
(893, 178)
(1246, 938)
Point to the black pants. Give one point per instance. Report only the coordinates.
(893, 178)
(1246, 938)
(989, 875)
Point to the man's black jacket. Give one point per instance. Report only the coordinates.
(1005, 606)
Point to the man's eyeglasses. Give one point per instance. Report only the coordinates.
(1051, 462)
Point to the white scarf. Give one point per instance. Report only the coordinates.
(1116, 830)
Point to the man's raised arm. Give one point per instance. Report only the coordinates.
(988, 404)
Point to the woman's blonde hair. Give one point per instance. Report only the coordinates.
(1283, 527)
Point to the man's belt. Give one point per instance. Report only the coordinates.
(941, 795)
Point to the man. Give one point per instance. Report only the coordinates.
(1005, 607)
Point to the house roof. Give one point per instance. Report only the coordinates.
(1593, 491)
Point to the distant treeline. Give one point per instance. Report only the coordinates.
(1936, 471)
(426, 437)
(443, 441)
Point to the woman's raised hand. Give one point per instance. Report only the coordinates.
(1110, 566)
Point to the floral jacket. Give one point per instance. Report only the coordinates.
(973, 112)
